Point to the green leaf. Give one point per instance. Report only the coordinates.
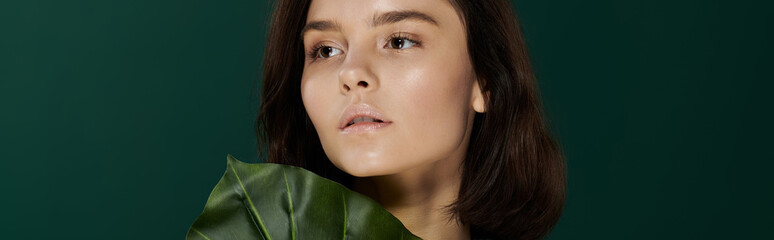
(273, 201)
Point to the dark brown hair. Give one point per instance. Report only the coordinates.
(513, 178)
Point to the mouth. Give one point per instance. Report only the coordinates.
(362, 118)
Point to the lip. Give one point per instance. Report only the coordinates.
(362, 110)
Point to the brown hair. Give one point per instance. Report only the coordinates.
(513, 179)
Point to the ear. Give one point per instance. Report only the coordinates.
(478, 99)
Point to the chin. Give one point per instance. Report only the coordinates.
(365, 166)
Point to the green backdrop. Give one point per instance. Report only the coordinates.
(117, 115)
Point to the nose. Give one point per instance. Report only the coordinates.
(356, 75)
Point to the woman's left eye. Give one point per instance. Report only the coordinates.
(400, 43)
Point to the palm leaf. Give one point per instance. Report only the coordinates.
(272, 201)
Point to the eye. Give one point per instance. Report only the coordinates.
(401, 43)
(326, 52)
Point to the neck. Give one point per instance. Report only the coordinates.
(418, 198)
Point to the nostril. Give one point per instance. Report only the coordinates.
(362, 84)
(346, 87)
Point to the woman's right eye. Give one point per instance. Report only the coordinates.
(326, 52)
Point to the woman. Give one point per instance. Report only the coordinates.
(429, 107)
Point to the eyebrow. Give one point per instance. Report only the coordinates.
(382, 19)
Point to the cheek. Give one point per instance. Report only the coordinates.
(317, 100)
(434, 99)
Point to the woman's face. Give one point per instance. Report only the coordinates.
(388, 84)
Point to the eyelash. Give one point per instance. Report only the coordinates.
(312, 54)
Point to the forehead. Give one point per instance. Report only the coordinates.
(350, 12)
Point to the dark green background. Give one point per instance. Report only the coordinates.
(117, 115)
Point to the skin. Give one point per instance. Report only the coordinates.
(424, 85)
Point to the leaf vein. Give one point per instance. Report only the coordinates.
(200, 233)
(252, 206)
(290, 202)
(344, 201)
